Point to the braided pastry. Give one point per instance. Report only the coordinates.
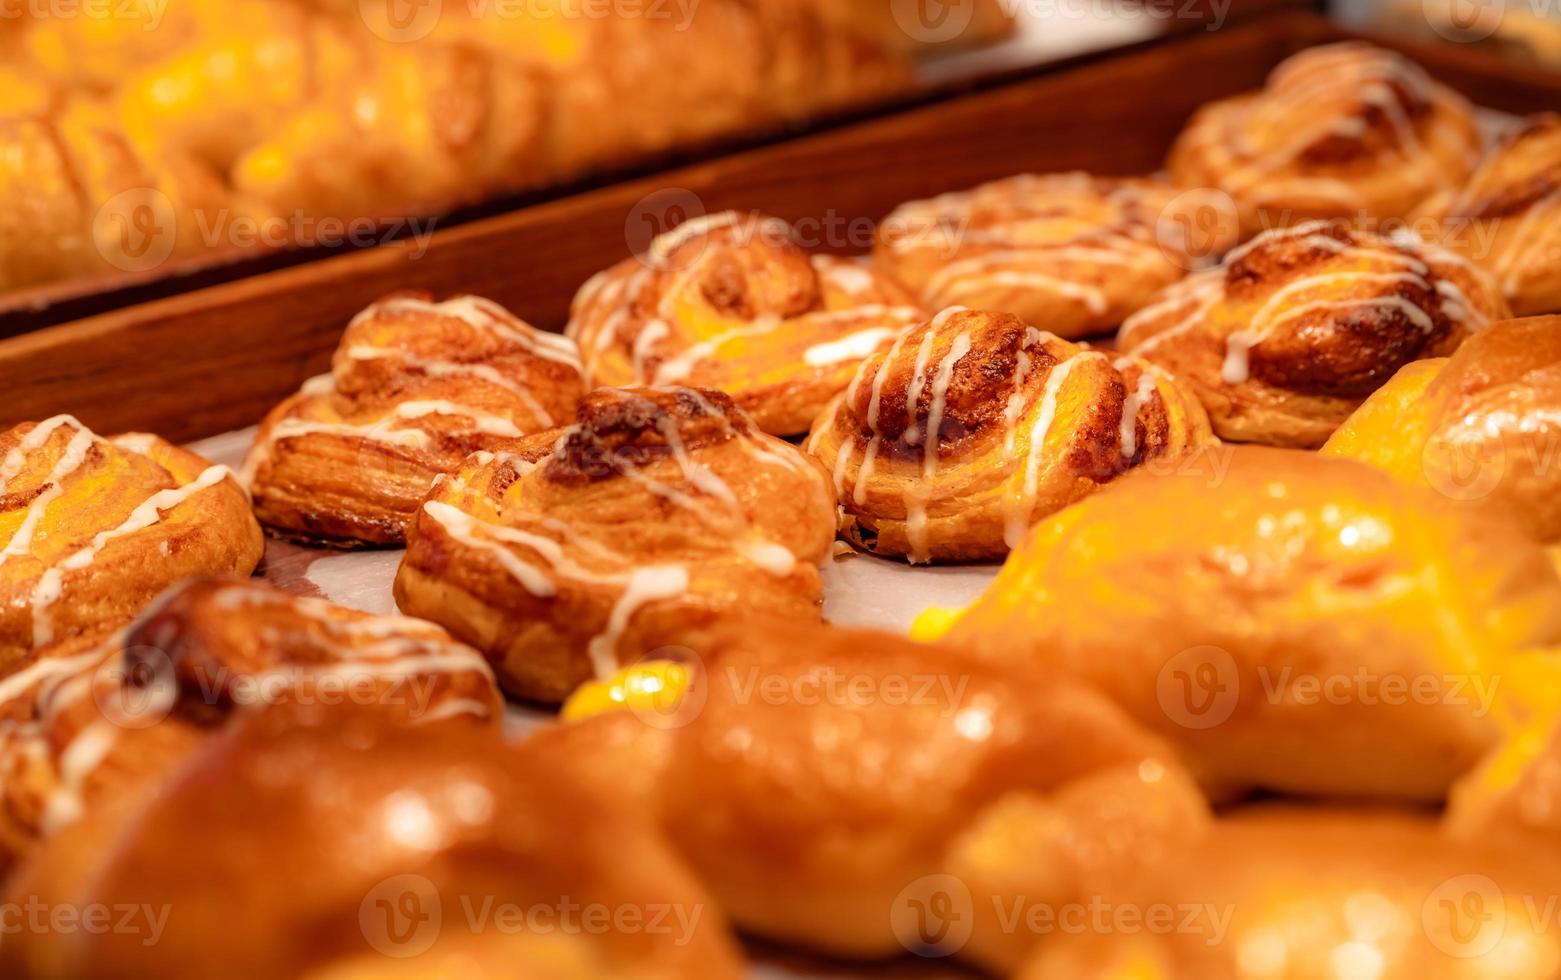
(326, 844)
(1291, 333)
(827, 784)
(91, 529)
(1072, 252)
(660, 510)
(733, 303)
(1480, 427)
(1302, 624)
(86, 723)
(415, 387)
(1340, 131)
(1508, 216)
(973, 426)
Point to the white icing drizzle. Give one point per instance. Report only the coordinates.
(71, 459)
(455, 369)
(486, 316)
(1140, 396)
(1019, 508)
(851, 347)
(916, 497)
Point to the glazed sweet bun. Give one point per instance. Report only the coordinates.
(91, 529)
(732, 302)
(973, 426)
(1507, 218)
(85, 724)
(1296, 623)
(1074, 253)
(828, 785)
(415, 387)
(1295, 892)
(1297, 327)
(1339, 131)
(659, 511)
(1482, 427)
(334, 845)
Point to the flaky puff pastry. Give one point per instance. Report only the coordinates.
(731, 302)
(335, 846)
(1294, 329)
(1074, 253)
(1295, 892)
(1294, 622)
(974, 425)
(1340, 131)
(1507, 218)
(91, 529)
(832, 787)
(659, 511)
(415, 387)
(88, 723)
(1482, 427)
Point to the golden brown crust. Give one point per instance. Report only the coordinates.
(1507, 218)
(329, 845)
(1294, 622)
(1340, 131)
(1297, 327)
(731, 302)
(657, 512)
(415, 387)
(1072, 253)
(1026, 423)
(91, 529)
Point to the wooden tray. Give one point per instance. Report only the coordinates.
(218, 358)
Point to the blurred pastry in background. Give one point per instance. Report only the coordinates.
(1522, 32)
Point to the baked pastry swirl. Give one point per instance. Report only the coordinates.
(91, 529)
(1508, 216)
(415, 387)
(1481, 427)
(659, 511)
(325, 844)
(974, 425)
(1071, 252)
(1300, 623)
(731, 302)
(1339, 131)
(1295, 328)
(91, 721)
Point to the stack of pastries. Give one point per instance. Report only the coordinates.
(1268, 683)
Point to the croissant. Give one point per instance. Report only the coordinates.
(415, 387)
(91, 529)
(733, 303)
(320, 843)
(1508, 216)
(659, 511)
(1319, 629)
(1480, 427)
(1339, 131)
(1297, 327)
(1295, 892)
(973, 426)
(1072, 252)
(845, 790)
(88, 723)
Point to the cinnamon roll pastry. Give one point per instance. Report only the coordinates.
(973, 426)
(1294, 892)
(336, 845)
(1339, 131)
(1507, 218)
(1072, 252)
(658, 512)
(91, 529)
(83, 724)
(415, 387)
(1317, 628)
(1482, 427)
(827, 785)
(1297, 327)
(731, 302)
